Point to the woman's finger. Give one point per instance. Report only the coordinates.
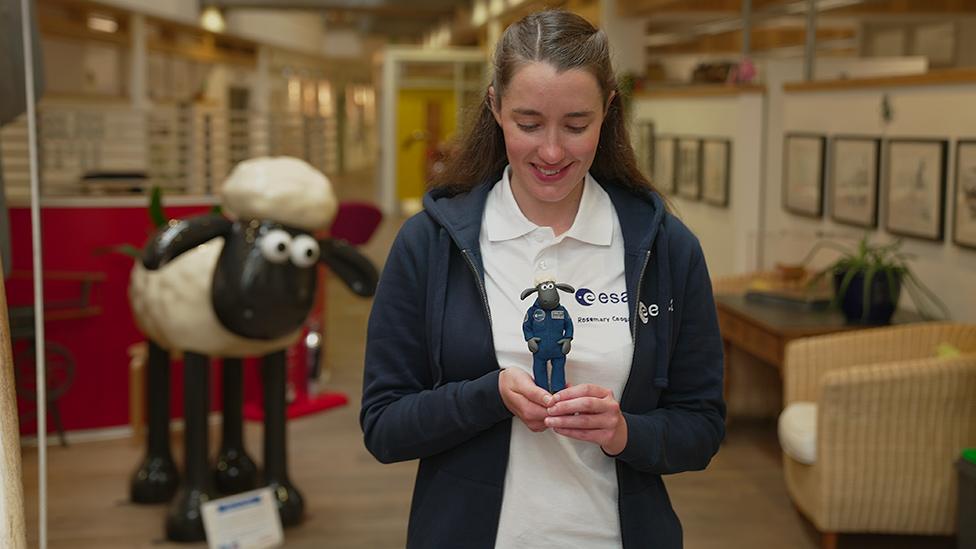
(583, 405)
(584, 390)
(586, 435)
(525, 386)
(582, 421)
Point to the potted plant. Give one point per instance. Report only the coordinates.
(868, 281)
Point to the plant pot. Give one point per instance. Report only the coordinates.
(882, 299)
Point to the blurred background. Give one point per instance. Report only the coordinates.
(823, 151)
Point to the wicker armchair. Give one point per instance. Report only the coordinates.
(891, 419)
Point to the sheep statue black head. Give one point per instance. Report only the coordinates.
(233, 287)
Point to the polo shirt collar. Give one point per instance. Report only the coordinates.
(504, 219)
(594, 219)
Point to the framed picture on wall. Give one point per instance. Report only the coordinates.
(964, 226)
(689, 168)
(644, 148)
(716, 171)
(665, 151)
(914, 187)
(854, 166)
(803, 174)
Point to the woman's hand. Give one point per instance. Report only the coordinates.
(589, 413)
(524, 398)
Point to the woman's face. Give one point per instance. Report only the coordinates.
(551, 122)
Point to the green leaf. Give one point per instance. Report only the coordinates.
(124, 249)
(156, 212)
(892, 286)
(928, 294)
(867, 297)
(844, 284)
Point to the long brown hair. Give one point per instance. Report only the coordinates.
(565, 41)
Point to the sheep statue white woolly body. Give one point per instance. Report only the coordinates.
(233, 287)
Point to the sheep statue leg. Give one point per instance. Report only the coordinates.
(183, 520)
(289, 500)
(235, 471)
(156, 478)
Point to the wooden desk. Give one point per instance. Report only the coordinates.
(763, 330)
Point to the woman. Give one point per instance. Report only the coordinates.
(544, 187)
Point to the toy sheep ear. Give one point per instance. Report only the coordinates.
(181, 236)
(528, 291)
(352, 267)
(566, 288)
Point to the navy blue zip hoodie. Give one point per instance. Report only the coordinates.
(430, 389)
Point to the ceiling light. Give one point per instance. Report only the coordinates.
(212, 20)
(479, 13)
(102, 23)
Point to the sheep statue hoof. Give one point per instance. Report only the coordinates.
(233, 287)
(235, 472)
(291, 506)
(156, 479)
(183, 519)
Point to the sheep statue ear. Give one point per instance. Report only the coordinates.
(528, 291)
(352, 267)
(566, 288)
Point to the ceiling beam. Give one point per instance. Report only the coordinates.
(909, 7)
(391, 7)
(669, 9)
(763, 39)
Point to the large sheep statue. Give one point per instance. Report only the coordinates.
(233, 287)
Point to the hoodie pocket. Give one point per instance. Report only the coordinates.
(455, 512)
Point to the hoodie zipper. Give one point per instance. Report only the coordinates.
(640, 282)
(477, 281)
(637, 292)
(633, 358)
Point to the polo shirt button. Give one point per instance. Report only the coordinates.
(543, 265)
(539, 237)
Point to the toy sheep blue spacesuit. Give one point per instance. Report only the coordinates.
(548, 330)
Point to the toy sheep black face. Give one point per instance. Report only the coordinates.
(264, 280)
(548, 296)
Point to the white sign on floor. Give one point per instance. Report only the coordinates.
(243, 521)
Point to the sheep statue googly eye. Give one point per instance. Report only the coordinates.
(275, 246)
(304, 251)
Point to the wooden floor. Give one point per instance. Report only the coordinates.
(354, 502)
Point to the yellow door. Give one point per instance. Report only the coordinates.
(425, 120)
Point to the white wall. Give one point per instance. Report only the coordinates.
(754, 232)
(294, 29)
(724, 232)
(343, 43)
(942, 112)
(187, 11)
(626, 36)
(784, 237)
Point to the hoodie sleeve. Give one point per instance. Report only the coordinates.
(403, 416)
(685, 430)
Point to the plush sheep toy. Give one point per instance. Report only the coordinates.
(233, 287)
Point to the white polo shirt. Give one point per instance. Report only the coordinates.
(559, 492)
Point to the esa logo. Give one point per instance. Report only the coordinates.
(587, 297)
